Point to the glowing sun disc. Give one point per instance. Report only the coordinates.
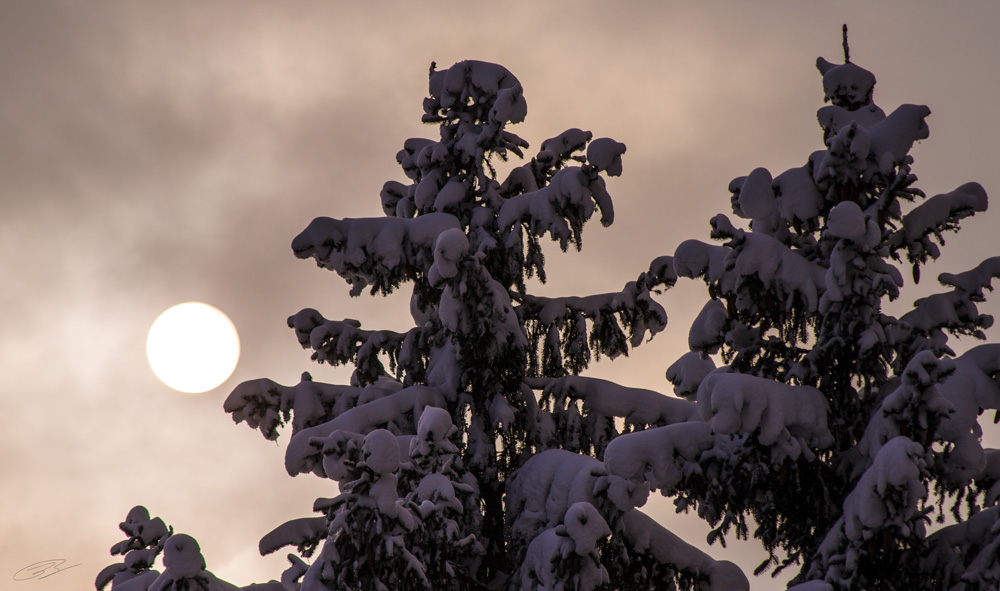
(193, 347)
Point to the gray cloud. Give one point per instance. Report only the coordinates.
(160, 152)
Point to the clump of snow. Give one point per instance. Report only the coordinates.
(638, 406)
(775, 265)
(510, 106)
(798, 197)
(833, 118)
(694, 258)
(585, 527)
(938, 213)
(434, 432)
(304, 451)
(552, 563)
(893, 137)
(449, 248)
(541, 492)
(306, 531)
(884, 501)
(381, 452)
(372, 251)
(897, 466)
(708, 331)
(185, 568)
(564, 144)
(688, 371)
(917, 400)
(146, 539)
(792, 419)
(756, 197)
(846, 85)
(605, 154)
(658, 456)
(847, 221)
(967, 552)
(571, 196)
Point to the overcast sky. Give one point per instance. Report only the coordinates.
(158, 152)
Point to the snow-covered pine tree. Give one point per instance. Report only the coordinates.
(470, 453)
(831, 422)
(453, 443)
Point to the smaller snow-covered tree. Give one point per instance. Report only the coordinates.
(183, 564)
(146, 537)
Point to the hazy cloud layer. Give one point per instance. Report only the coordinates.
(159, 152)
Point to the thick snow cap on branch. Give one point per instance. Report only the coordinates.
(778, 267)
(798, 197)
(970, 390)
(647, 536)
(694, 258)
(550, 482)
(708, 331)
(833, 118)
(893, 137)
(470, 78)
(448, 250)
(637, 406)
(372, 251)
(941, 211)
(585, 527)
(687, 373)
(545, 567)
(756, 197)
(605, 154)
(571, 194)
(847, 221)
(792, 419)
(307, 530)
(968, 552)
(657, 456)
(897, 466)
(846, 85)
(402, 408)
(381, 452)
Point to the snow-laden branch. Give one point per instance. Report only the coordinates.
(647, 536)
(339, 342)
(885, 499)
(761, 259)
(970, 390)
(914, 409)
(559, 325)
(791, 420)
(399, 411)
(659, 456)
(265, 405)
(954, 311)
(639, 407)
(966, 554)
(380, 252)
(305, 534)
(926, 223)
(560, 208)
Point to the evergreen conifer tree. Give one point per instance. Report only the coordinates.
(470, 454)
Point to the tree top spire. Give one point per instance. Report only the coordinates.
(847, 49)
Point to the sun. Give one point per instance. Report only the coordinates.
(193, 347)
